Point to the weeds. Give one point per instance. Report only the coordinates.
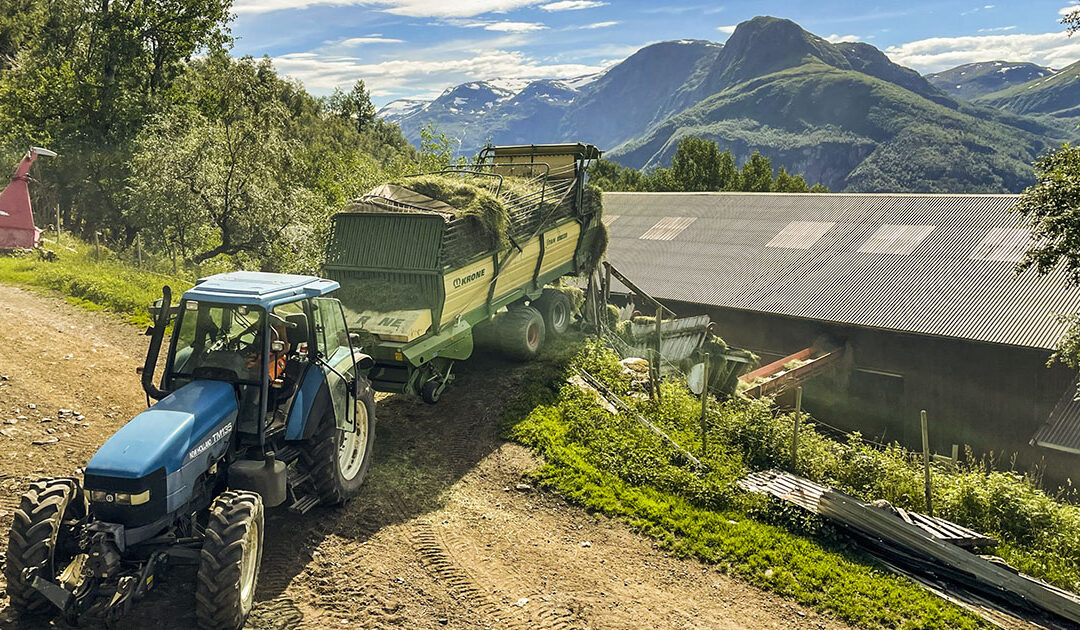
(612, 465)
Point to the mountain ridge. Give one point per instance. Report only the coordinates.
(843, 114)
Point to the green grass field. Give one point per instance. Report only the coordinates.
(107, 284)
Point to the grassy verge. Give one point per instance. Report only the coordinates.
(108, 284)
(613, 465)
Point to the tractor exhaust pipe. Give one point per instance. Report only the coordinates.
(157, 334)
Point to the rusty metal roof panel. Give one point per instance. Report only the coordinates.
(908, 279)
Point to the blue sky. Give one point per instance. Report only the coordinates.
(417, 48)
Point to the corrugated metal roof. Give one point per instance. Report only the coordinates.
(1062, 429)
(936, 289)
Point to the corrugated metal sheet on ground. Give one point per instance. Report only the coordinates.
(1062, 428)
(937, 289)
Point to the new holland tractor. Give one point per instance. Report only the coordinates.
(266, 399)
(263, 402)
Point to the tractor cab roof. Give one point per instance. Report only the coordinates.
(255, 288)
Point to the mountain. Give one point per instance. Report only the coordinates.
(973, 80)
(842, 114)
(1057, 95)
(609, 108)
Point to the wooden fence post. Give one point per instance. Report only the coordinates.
(58, 225)
(97, 246)
(705, 407)
(795, 432)
(926, 463)
(659, 352)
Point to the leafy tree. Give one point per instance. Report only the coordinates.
(756, 174)
(728, 176)
(85, 78)
(696, 165)
(355, 106)
(788, 183)
(246, 166)
(1072, 21)
(613, 176)
(661, 180)
(1051, 208)
(436, 150)
(819, 188)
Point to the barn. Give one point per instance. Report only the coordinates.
(919, 290)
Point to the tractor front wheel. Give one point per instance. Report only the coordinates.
(40, 539)
(229, 564)
(337, 460)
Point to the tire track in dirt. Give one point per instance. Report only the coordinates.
(438, 560)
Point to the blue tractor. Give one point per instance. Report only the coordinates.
(264, 401)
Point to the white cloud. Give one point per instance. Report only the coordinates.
(572, 5)
(997, 29)
(836, 39)
(1069, 8)
(729, 29)
(370, 39)
(598, 25)
(409, 8)
(514, 27)
(940, 53)
(423, 75)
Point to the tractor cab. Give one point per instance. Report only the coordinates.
(260, 333)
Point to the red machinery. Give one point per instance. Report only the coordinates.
(17, 229)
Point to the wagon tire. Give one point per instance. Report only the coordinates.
(229, 562)
(523, 331)
(556, 309)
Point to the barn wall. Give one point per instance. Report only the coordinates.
(990, 397)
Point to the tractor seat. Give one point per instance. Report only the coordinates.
(299, 334)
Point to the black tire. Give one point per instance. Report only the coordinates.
(431, 392)
(225, 588)
(319, 454)
(556, 309)
(523, 332)
(38, 538)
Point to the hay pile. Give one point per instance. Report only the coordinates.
(468, 198)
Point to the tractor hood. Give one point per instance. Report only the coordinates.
(195, 420)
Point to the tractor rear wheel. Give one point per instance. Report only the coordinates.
(556, 309)
(229, 564)
(522, 330)
(338, 460)
(39, 539)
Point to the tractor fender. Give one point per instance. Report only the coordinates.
(309, 405)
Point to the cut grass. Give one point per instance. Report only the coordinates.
(613, 465)
(107, 285)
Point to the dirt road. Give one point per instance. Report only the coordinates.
(440, 536)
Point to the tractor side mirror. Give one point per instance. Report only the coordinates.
(363, 361)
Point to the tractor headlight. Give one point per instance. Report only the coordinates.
(119, 498)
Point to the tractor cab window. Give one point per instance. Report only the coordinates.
(331, 332)
(219, 341)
